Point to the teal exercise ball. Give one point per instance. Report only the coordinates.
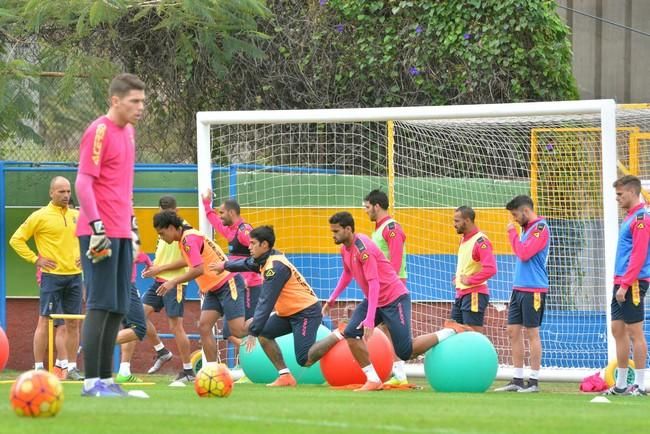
(465, 362)
(259, 369)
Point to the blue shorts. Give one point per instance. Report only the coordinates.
(303, 325)
(60, 294)
(134, 318)
(396, 316)
(526, 308)
(632, 310)
(173, 308)
(108, 282)
(252, 296)
(221, 300)
(470, 309)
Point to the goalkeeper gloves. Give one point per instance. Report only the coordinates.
(135, 236)
(100, 245)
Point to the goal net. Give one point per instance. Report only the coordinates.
(294, 169)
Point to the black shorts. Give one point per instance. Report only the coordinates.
(632, 310)
(134, 318)
(526, 308)
(222, 301)
(251, 297)
(169, 301)
(396, 316)
(60, 294)
(108, 282)
(304, 326)
(470, 309)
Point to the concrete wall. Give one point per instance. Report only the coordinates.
(609, 61)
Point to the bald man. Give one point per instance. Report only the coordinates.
(53, 228)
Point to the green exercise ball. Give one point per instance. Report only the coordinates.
(465, 362)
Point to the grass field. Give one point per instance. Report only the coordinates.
(318, 409)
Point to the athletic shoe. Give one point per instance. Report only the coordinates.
(121, 379)
(160, 360)
(243, 380)
(61, 373)
(185, 376)
(529, 388)
(118, 389)
(284, 380)
(615, 391)
(74, 374)
(456, 326)
(370, 386)
(634, 390)
(513, 386)
(394, 382)
(100, 390)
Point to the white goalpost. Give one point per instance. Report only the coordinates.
(292, 169)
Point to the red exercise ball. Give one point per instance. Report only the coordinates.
(4, 349)
(341, 369)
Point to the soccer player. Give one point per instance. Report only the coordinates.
(285, 292)
(528, 299)
(386, 301)
(107, 226)
(168, 263)
(631, 277)
(222, 291)
(236, 231)
(391, 239)
(58, 269)
(476, 264)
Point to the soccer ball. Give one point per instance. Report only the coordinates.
(36, 394)
(213, 381)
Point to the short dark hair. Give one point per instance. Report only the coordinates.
(343, 218)
(377, 197)
(467, 212)
(519, 201)
(123, 84)
(232, 204)
(628, 182)
(167, 202)
(264, 233)
(167, 218)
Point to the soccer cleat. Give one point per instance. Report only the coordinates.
(74, 374)
(100, 390)
(185, 377)
(529, 388)
(160, 360)
(512, 386)
(60, 372)
(615, 391)
(395, 382)
(117, 389)
(635, 390)
(121, 379)
(456, 326)
(284, 380)
(370, 386)
(243, 380)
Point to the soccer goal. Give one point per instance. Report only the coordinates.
(293, 169)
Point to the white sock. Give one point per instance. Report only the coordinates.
(159, 346)
(39, 365)
(444, 334)
(519, 373)
(64, 364)
(284, 371)
(639, 378)
(187, 366)
(90, 382)
(338, 335)
(72, 365)
(57, 363)
(125, 369)
(213, 364)
(621, 378)
(398, 370)
(107, 381)
(371, 374)
(534, 375)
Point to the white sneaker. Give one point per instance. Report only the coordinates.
(530, 388)
(160, 360)
(510, 387)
